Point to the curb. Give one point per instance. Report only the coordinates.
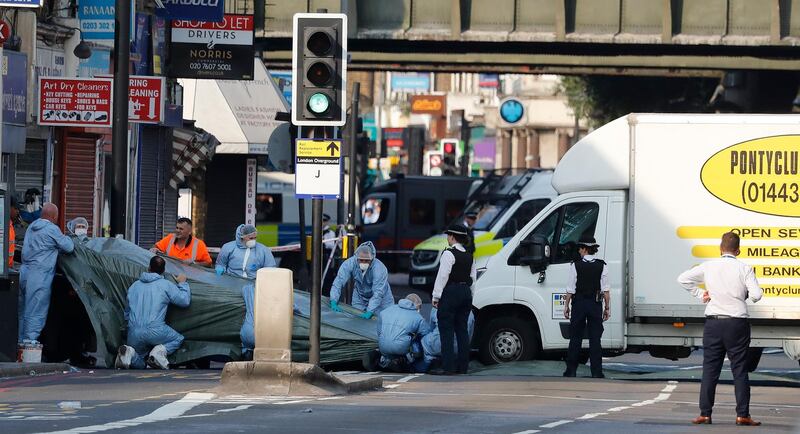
(8, 370)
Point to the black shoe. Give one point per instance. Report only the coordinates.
(569, 373)
(370, 360)
(600, 375)
(440, 372)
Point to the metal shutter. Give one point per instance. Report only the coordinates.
(80, 172)
(30, 167)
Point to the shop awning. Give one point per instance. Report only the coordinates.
(240, 114)
(191, 148)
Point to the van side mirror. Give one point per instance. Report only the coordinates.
(538, 253)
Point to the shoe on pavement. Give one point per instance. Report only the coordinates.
(746, 421)
(124, 357)
(702, 420)
(440, 372)
(569, 373)
(600, 375)
(158, 358)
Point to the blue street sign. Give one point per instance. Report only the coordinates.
(97, 19)
(21, 3)
(195, 10)
(512, 110)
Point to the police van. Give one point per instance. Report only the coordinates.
(504, 202)
(657, 192)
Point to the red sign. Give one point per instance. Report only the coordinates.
(78, 102)
(146, 99)
(229, 22)
(5, 31)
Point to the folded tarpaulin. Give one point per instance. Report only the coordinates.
(102, 269)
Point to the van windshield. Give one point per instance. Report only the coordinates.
(488, 213)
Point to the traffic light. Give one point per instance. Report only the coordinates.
(319, 69)
(449, 153)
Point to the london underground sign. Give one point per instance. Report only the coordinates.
(512, 111)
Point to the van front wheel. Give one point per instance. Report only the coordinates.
(508, 339)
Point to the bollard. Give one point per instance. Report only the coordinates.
(272, 371)
(273, 315)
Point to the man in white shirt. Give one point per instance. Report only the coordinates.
(728, 283)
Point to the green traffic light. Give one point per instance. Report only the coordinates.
(319, 103)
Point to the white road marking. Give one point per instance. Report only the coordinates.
(530, 431)
(330, 398)
(238, 408)
(591, 416)
(666, 392)
(170, 411)
(391, 386)
(409, 378)
(505, 395)
(296, 401)
(556, 423)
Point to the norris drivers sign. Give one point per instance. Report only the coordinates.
(213, 50)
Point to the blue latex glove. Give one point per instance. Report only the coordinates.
(219, 269)
(252, 268)
(335, 306)
(366, 315)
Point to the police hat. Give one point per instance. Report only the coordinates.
(326, 218)
(457, 229)
(587, 241)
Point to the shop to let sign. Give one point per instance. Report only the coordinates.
(79, 102)
(213, 50)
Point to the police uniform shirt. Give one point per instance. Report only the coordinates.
(729, 282)
(572, 280)
(445, 266)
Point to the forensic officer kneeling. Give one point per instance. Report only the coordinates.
(588, 288)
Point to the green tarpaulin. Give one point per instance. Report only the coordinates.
(102, 269)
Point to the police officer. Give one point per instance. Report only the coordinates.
(587, 293)
(470, 217)
(452, 296)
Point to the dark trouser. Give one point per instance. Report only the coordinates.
(585, 311)
(721, 336)
(453, 313)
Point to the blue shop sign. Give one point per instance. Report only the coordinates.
(195, 10)
(97, 19)
(410, 82)
(15, 88)
(21, 3)
(512, 110)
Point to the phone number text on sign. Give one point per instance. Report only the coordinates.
(75, 101)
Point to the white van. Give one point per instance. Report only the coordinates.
(505, 201)
(657, 192)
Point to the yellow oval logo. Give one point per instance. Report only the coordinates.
(759, 175)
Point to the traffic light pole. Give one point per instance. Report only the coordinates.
(465, 136)
(351, 193)
(119, 127)
(316, 281)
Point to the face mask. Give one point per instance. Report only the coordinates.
(250, 244)
(80, 232)
(363, 267)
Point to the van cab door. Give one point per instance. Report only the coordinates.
(563, 227)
